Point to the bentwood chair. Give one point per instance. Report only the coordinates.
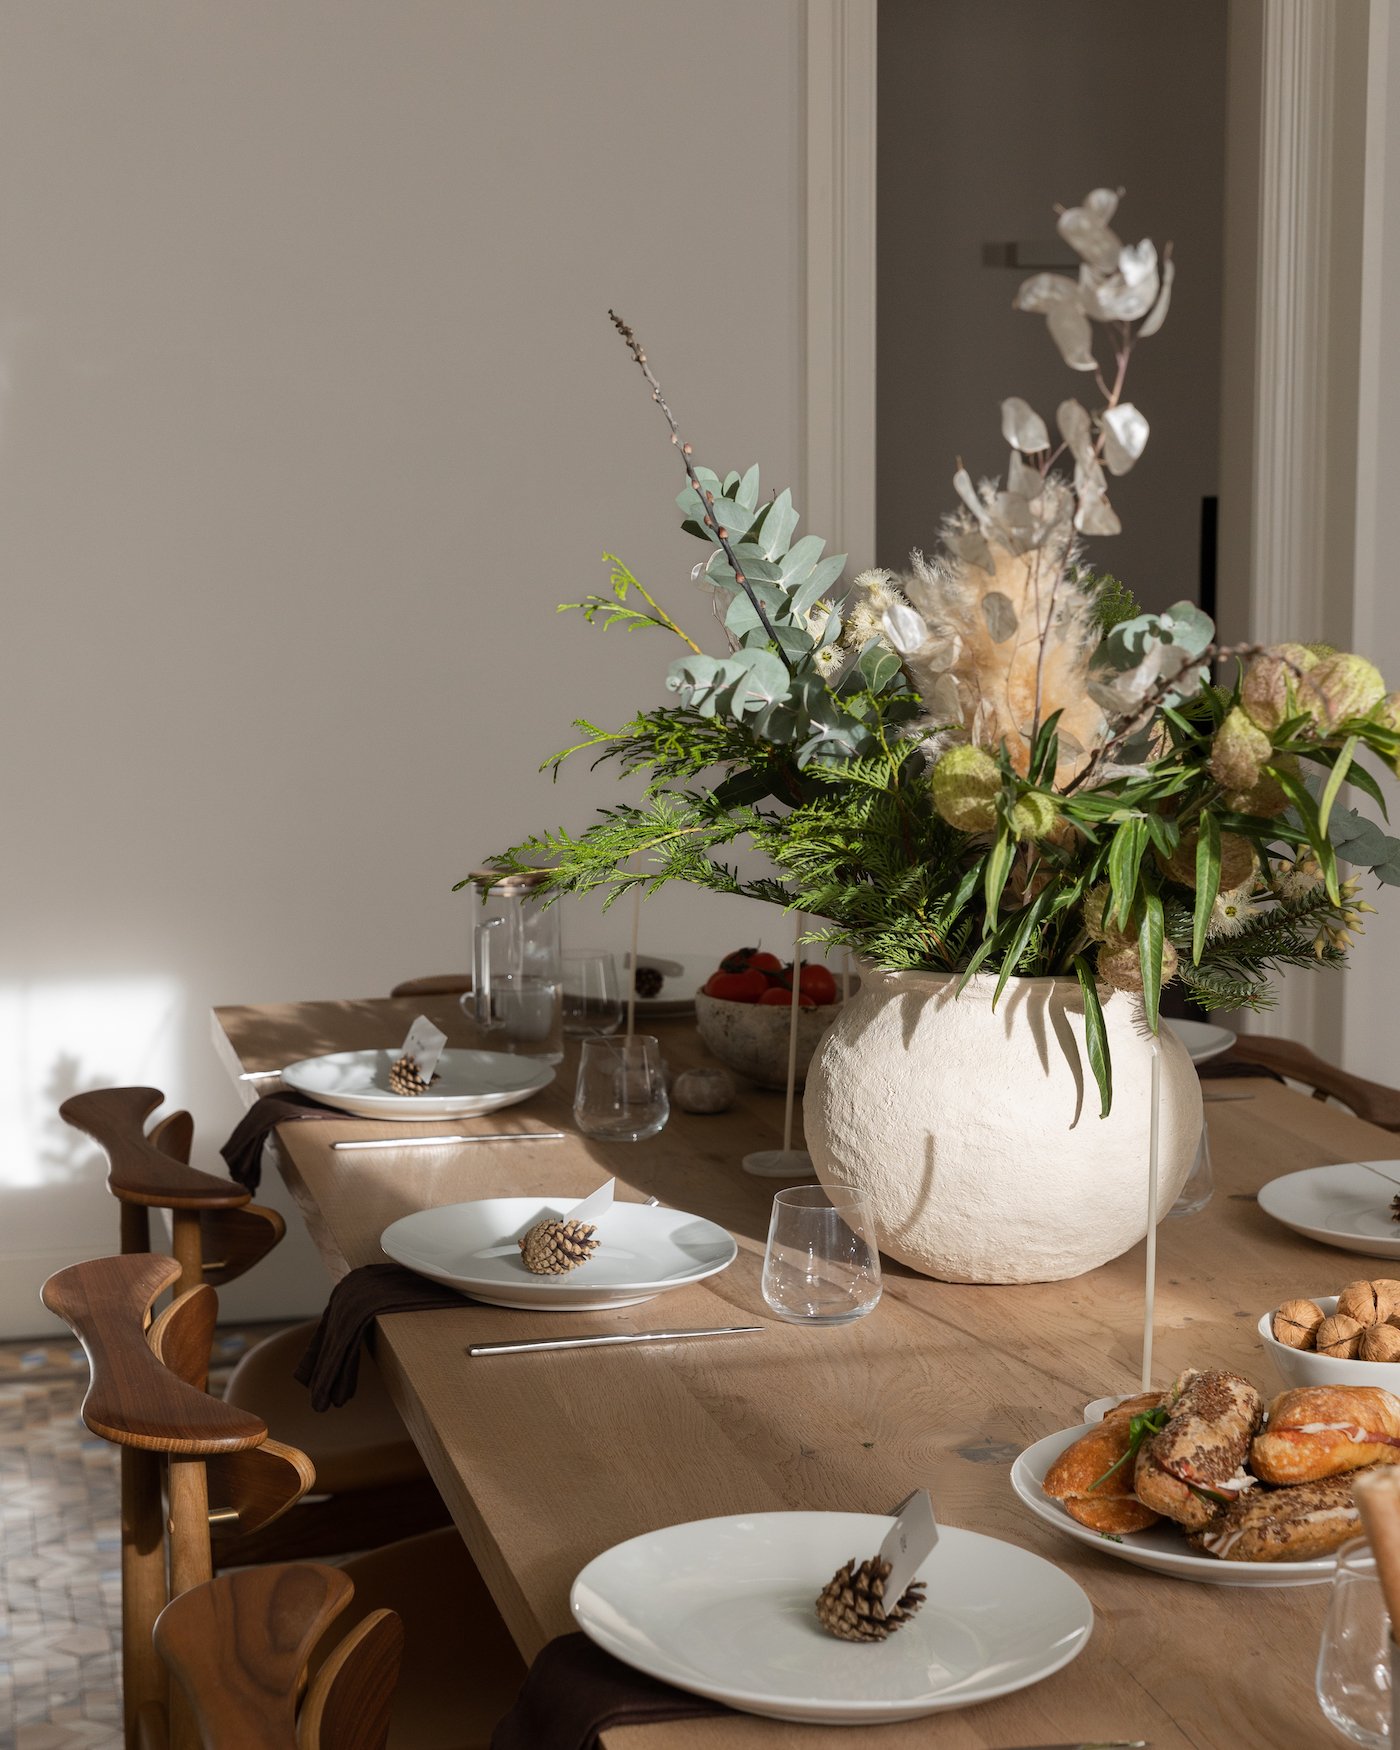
(460, 1669)
(238, 1648)
(371, 1484)
(1373, 1101)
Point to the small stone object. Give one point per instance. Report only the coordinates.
(648, 981)
(1358, 1301)
(852, 1607)
(553, 1248)
(706, 1089)
(1379, 1343)
(1296, 1322)
(1339, 1337)
(404, 1077)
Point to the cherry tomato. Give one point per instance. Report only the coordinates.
(777, 993)
(737, 987)
(818, 984)
(766, 962)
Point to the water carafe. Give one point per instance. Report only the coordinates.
(516, 997)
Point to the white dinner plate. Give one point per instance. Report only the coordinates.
(1162, 1547)
(642, 1251)
(1346, 1206)
(470, 1082)
(726, 1608)
(1202, 1039)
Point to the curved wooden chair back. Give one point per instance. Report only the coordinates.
(238, 1648)
(217, 1232)
(441, 984)
(143, 1397)
(1373, 1101)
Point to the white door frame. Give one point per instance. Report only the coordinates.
(839, 317)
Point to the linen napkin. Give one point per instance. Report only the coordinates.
(244, 1149)
(575, 1691)
(331, 1364)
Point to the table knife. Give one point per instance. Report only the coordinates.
(519, 1348)
(1095, 1744)
(441, 1141)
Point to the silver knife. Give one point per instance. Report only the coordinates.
(1097, 1744)
(441, 1141)
(519, 1348)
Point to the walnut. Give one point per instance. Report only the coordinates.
(1387, 1298)
(1358, 1301)
(1379, 1343)
(1339, 1337)
(1295, 1323)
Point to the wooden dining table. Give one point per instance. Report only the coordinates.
(546, 1459)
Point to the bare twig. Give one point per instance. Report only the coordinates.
(707, 499)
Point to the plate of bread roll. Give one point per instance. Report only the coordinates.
(1203, 1482)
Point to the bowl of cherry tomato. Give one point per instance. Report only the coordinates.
(744, 1012)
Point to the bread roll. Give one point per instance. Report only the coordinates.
(1284, 1525)
(1189, 1471)
(1322, 1431)
(1111, 1507)
(1135, 1406)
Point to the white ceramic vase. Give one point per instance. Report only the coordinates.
(975, 1131)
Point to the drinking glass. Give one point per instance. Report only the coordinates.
(822, 1265)
(591, 1000)
(621, 1091)
(1200, 1181)
(1353, 1662)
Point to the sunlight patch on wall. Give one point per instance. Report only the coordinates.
(63, 1036)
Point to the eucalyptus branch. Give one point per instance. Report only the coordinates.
(634, 346)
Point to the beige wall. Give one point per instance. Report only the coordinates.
(311, 413)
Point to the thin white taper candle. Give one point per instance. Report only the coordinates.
(794, 1009)
(1149, 1303)
(632, 982)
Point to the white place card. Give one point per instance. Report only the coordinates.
(909, 1543)
(424, 1045)
(595, 1205)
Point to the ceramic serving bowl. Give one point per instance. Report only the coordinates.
(1305, 1367)
(752, 1038)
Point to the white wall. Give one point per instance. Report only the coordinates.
(311, 414)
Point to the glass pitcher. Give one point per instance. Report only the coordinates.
(516, 999)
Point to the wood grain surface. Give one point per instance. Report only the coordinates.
(546, 1460)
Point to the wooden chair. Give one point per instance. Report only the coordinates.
(460, 1668)
(1373, 1101)
(239, 1646)
(442, 984)
(372, 1486)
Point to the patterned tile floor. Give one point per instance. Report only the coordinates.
(60, 1580)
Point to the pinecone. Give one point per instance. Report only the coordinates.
(405, 1079)
(649, 981)
(553, 1248)
(851, 1604)
(1395, 1209)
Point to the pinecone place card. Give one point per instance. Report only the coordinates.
(870, 1600)
(558, 1244)
(414, 1070)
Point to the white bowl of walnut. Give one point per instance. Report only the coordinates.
(1350, 1338)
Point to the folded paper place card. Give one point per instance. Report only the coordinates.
(594, 1206)
(909, 1542)
(424, 1045)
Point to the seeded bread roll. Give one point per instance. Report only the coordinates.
(1319, 1431)
(1189, 1471)
(1284, 1525)
(1112, 1506)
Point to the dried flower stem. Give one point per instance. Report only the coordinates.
(634, 346)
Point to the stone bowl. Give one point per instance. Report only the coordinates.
(752, 1038)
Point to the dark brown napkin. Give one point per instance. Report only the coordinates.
(243, 1151)
(575, 1691)
(331, 1364)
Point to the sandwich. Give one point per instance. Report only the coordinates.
(1284, 1525)
(1192, 1467)
(1093, 1479)
(1322, 1431)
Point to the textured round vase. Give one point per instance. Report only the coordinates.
(975, 1132)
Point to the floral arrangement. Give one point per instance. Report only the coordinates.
(992, 762)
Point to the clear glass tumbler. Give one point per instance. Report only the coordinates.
(822, 1265)
(621, 1095)
(591, 1000)
(1353, 1662)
